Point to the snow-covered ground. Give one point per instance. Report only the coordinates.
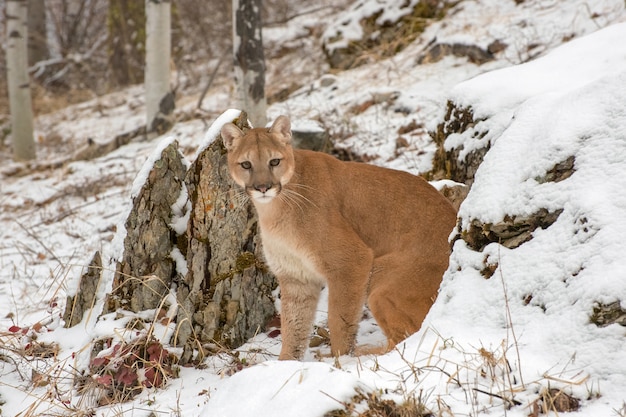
(489, 346)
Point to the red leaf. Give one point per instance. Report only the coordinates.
(104, 379)
(274, 333)
(126, 376)
(100, 361)
(14, 329)
(156, 353)
(150, 374)
(153, 378)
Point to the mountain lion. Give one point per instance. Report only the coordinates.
(370, 234)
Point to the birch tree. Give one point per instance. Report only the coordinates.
(37, 36)
(18, 81)
(249, 60)
(159, 98)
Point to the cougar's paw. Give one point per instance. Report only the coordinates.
(371, 350)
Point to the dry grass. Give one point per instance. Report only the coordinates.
(40, 374)
(484, 375)
(372, 404)
(57, 388)
(489, 377)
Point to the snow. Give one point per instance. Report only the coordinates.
(484, 341)
(575, 64)
(181, 210)
(213, 132)
(283, 389)
(578, 261)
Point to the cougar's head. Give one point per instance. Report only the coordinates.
(260, 160)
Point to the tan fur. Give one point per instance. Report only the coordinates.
(370, 234)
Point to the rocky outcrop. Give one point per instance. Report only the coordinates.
(146, 271)
(606, 314)
(380, 37)
(85, 297)
(474, 54)
(226, 296)
(447, 163)
(512, 232)
(190, 232)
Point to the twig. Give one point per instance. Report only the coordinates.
(43, 245)
(212, 77)
(510, 321)
(510, 402)
(293, 16)
(286, 382)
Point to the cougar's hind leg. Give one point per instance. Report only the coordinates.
(401, 294)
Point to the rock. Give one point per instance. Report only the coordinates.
(438, 51)
(146, 271)
(455, 193)
(512, 232)
(560, 402)
(226, 296)
(446, 163)
(559, 172)
(607, 314)
(308, 134)
(327, 80)
(380, 37)
(85, 296)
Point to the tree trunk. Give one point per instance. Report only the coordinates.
(127, 36)
(249, 60)
(159, 97)
(37, 35)
(18, 81)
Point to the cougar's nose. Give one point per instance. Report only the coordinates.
(262, 187)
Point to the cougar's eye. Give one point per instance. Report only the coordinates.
(274, 162)
(246, 165)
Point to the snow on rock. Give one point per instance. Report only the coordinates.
(521, 30)
(227, 117)
(573, 65)
(347, 26)
(567, 104)
(142, 175)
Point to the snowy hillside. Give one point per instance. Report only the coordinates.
(516, 327)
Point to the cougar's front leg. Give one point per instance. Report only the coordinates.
(298, 303)
(345, 308)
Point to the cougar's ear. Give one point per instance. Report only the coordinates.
(230, 134)
(282, 128)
